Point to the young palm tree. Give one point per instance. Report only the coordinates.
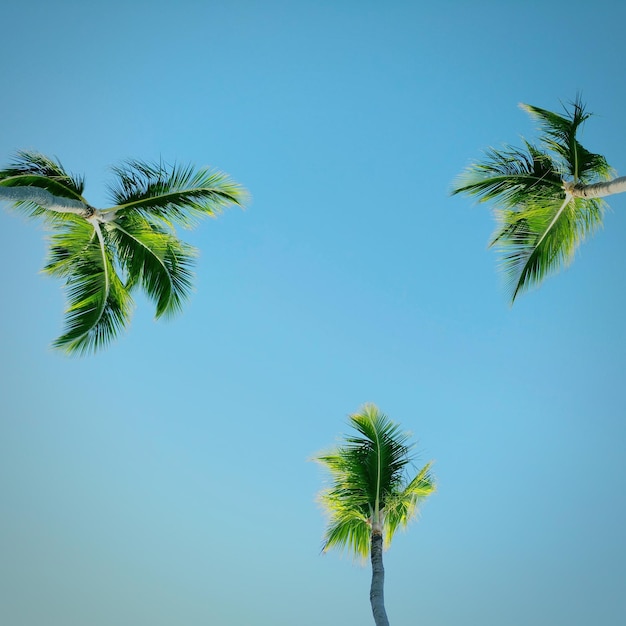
(104, 254)
(370, 495)
(548, 196)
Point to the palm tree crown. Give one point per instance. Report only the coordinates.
(370, 495)
(547, 195)
(104, 254)
(370, 488)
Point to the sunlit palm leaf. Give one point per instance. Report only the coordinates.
(348, 527)
(402, 506)
(99, 305)
(155, 259)
(347, 502)
(537, 241)
(178, 195)
(68, 245)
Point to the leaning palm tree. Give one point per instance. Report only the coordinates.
(370, 495)
(548, 196)
(104, 254)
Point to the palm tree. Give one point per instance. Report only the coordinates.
(548, 196)
(104, 254)
(370, 496)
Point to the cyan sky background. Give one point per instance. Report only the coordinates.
(165, 481)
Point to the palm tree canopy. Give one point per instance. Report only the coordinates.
(369, 485)
(104, 254)
(541, 222)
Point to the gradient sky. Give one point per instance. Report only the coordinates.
(166, 480)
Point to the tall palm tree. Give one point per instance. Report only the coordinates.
(548, 196)
(370, 495)
(104, 254)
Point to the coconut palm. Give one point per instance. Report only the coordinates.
(370, 495)
(548, 196)
(105, 254)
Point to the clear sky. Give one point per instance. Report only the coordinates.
(166, 480)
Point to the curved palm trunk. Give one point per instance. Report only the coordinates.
(377, 596)
(45, 199)
(598, 190)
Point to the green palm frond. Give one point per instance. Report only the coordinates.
(559, 136)
(511, 176)
(31, 169)
(380, 453)
(369, 483)
(351, 489)
(154, 259)
(99, 305)
(402, 506)
(537, 241)
(68, 245)
(176, 195)
(349, 527)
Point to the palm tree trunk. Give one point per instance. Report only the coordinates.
(599, 190)
(377, 596)
(44, 198)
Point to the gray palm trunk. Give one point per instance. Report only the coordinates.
(597, 190)
(45, 199)
(377, 589)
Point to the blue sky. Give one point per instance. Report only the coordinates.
(166, 480)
